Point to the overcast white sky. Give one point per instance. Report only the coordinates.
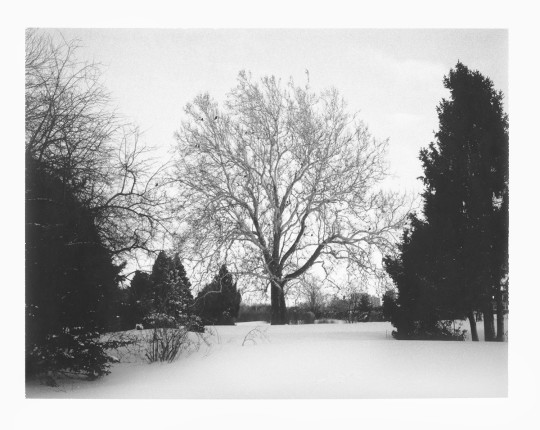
(393, 77)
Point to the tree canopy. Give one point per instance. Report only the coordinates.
(279, 179)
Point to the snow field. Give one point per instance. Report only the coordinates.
(306, 361)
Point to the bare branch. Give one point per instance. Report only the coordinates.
(280, 179)
(73, 132)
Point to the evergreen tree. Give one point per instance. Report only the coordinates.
(365, 303)
(163, 280)
(70, 279)
(139, 299)
(456, 260)
(416, 313)
(389, 304)
(183, 286)
(88, 201)
(171, 292)
(466, 193)
(219, 301)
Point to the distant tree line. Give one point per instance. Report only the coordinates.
(351, 307)
(452, 262)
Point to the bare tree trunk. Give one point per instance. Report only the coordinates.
(472, 322)
(282, 308)
(277, 299)
(500, 316)
(489, 327)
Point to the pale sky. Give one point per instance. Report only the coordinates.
(392, 77)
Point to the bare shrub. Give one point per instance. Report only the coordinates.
(157, 344)
(166, 344)
(256, 335)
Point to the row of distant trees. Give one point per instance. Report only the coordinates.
(452, 262)
(334, 309)
(352, 307)
(350, 303)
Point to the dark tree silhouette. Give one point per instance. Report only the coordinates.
(70, 280)
(466, 190)
(171, 294)
(219, 301)
(420, 303)
(138, 299)
(365, 303)
(455, 261)
(389, 304)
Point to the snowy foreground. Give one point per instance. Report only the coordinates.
(306, 361)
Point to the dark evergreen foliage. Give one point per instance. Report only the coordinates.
(161, 299)
(218, 303)
(455, 261)
(87, 199)
(71, 281)
(171, 300)
(137, 302)
(466, 196)
(365, 303)
(389, 304)
(422, 302)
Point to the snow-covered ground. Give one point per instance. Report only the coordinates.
(306, 361)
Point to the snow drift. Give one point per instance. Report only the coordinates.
(256, 360)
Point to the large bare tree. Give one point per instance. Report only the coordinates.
(279, 179)
(72, 131)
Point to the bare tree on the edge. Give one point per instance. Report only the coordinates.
(280, 179)
(72, 129)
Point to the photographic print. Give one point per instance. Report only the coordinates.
(266, 213)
